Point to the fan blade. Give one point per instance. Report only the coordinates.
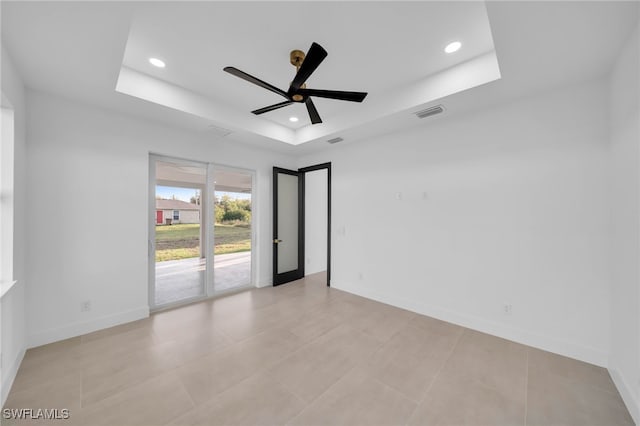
(271, 107)
(313, 112)
(313, 58)
(251, 79)
(334, 94)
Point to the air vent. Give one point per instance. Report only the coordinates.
(430, 111)
(218, 131)
(335, 140)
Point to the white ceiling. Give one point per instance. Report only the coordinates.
(390, 45)
(184, 173)
(393, 49)
(77, 50)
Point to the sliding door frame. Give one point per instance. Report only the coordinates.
(206, 225)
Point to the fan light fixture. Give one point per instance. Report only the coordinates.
(453, 47)
(157, 62)
(305, 65)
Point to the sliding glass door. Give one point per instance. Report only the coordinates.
(200, 230)
(233, 230)
(179, 211)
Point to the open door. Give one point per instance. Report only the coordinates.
(288, 231)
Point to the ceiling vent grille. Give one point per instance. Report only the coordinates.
(218, 131)
(434, 110)
(335, 140)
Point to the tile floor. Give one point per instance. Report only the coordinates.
(303, 354)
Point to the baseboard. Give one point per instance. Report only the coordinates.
(630, 400)
(11, 376)
(264, 282)
(569, 349)
(84, 327)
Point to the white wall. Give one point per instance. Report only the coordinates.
(12, 305)
(315, 233)
(464, 214)
(624, 362)
(79, 156)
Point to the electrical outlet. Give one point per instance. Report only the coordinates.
(85, 306)
(507, 308)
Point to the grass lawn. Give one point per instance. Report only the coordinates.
(183, 241)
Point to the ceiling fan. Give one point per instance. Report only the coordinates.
(298, 92)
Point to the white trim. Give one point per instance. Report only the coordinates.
(5, 287)
(561, 347)
(11, 376)
(151, 241)
(627, 395)
(84, 327)
(207, 226)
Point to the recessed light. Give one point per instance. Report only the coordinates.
(293, 119)
(453, 47)
(156, 62)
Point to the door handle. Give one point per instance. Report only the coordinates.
(276, 241)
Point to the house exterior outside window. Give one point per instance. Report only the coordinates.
(176, 215)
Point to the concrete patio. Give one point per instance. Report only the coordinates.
(183, 279)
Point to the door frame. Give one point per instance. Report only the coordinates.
(314, 168)
(299, 273)
(296, 273)
(151, 242)
(206, 227)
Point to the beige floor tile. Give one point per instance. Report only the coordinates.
(143, 324)
(154, 402)
(173, 324)
(314, 323)
(426, 342)
(495, 363)
(409, 373)
(357, 399)
(382, 321)
(64, 393)
(319, 278)
(311, 370)
(195, 343)
(212, 374)
(46, 368)
(435, 326)
(306, 354)
(464, 401)
(115, 374)
(117, 344)
(258, 400)
(554, 400)
(64, 347)
(542, 362)
(60, 393)
(247, 324)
